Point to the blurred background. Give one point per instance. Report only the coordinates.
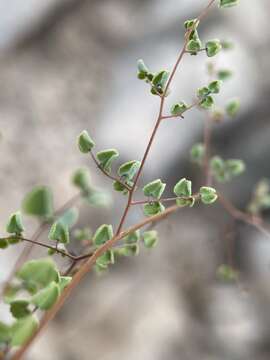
(69, 65)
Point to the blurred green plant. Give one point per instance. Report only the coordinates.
(39, 285)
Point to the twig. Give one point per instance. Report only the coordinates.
(237, 214)
(160, 116)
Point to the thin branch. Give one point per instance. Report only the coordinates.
(196, 103)
(237, 214)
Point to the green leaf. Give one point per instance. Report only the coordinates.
(47, 297)
(191, 23)
(128, 250)
(150, 239)
(40, 272)
(208, 195)
(224, 74)
(98, 198)
(19, 308)
(203, 92)
(38, 202)
(183, 188)
(153, 208)
(228, 3)
(232, 107)
(154, 189)
(235, 167)
(85, 143)
(133, 237)
(13, 240)
(159, 82)
(197, 153)
(15, 225)
(60, 246)
(106, 157)
(23, 329)
(81, 179)
(186, 201)
(227, 273)
(5, 333)
(207, 103)
(106, 259)
(213, 47)
(59, 232)
(179, 108)
(142, 69)
(214, 86)
(160, 79)
(218, 167)
(103, 234)
(69, 217)
(194, 46)
(217, 163)
(119, 187)
(129, 169)
(64, 282)
(3, 243)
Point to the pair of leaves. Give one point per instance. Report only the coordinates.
(154, 189)
(126, 172)
(213, 47)
(179, 108)
(208, 195)
(205, 92)
(60, 228)
(183, 189)
(261, 197)
(157, 81)
(194, 44)
(226, 170)
(106, 157)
